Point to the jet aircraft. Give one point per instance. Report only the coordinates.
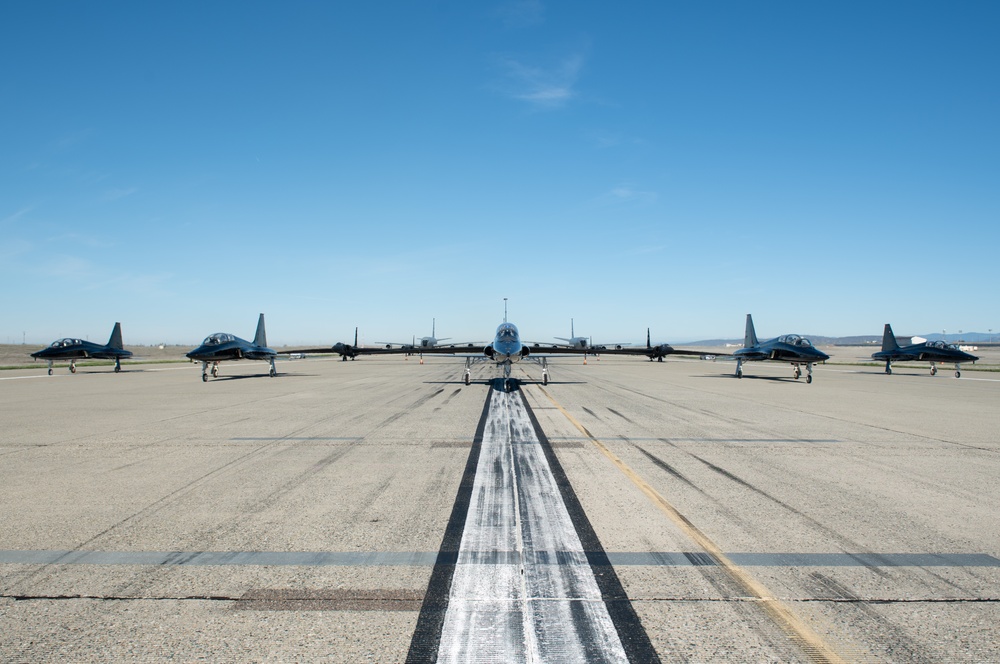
(419, 344)
(653, 352)
(574, 341)
(928, 351)
(224, 346)
(74, 349)
(505, 350)
(584, 343)
(790, 348)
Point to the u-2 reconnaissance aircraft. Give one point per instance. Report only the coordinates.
(75, 349)
(505, 350)
(791, 348)
(928, 351)
(224, 346)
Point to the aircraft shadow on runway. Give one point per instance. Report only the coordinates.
(776, 379)
(263, 375)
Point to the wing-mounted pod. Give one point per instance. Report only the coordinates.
(488, 352)
(525, 351)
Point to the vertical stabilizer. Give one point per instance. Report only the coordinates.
(572, 333)
(889, 339)
(434, 327)
(648, 345)
(260, 339)
(750, 338)
(116, 338)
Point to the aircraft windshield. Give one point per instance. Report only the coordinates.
(795, 340)
(506, 332)
(217, 338)
(942, 345)
(62, 343)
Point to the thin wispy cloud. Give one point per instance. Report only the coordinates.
(145, 285)
(627, 194)
(70, 141)
(10, 249)
(521, 13)
(67, 267)
(79, 239)
(10, 219)
(117, 194)
(543, 87)
(611, 140)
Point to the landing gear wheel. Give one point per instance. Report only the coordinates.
(797, 373)
(204, 378)
(888, 372)
(72, 368)
(118, 369)
(545, 379)
(468, 379)
(958, 374)
(739, 373)
(215, 371)
(933, 371)
(50, 372)
(272, 373)
(809, 379)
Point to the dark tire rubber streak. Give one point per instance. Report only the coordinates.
(633, 636)
(427, 636)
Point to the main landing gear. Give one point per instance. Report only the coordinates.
(273, 372)
(958, 369)
(809, 372)
(545, 370)
(50, 367)
(72, 366)
(204, 371)
(468, 371)
(739, 368)
(888, 367)
(118, 365)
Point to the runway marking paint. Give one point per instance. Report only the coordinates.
(808, 640)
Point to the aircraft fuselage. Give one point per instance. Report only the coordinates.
(506, 347)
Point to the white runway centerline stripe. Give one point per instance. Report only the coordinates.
(544, 605)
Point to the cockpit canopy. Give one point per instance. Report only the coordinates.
(218, 338)
(507, 332)
(64, 343)
(942, 345)
(795, 340)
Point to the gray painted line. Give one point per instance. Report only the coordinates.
(511, 608)
(498, 557)
(272, 438)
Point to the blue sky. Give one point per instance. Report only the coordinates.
(180, 167)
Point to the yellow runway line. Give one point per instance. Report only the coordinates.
(801, 634)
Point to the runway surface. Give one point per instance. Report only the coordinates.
(381, 510)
